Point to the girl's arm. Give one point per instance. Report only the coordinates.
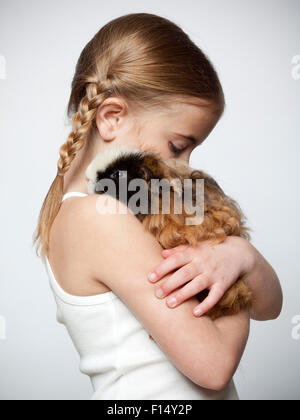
(264, 283)
(216, 268)
(120, 253)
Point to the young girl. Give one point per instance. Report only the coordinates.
(142, 82)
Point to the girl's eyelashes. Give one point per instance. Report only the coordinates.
(175, 149)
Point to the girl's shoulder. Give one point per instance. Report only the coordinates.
(71, 246)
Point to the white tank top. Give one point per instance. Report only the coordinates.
(116, 352)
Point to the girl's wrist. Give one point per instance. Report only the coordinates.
(247, 250)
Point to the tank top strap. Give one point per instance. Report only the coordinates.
(73, 194)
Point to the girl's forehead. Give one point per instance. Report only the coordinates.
(189, 119)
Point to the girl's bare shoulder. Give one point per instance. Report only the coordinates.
(71, 246)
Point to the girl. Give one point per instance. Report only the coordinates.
(142, 82)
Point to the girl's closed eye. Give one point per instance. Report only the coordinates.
(176, 150)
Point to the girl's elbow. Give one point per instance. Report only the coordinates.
(273, 312)
(217, 379)
(219, 382)
(279, 306)
(276, 312)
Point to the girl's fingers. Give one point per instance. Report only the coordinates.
(179, 278)
(168, 265)
(168, 252)
(216, 293)
(189, 290)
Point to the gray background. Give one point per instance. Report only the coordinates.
(253, 153)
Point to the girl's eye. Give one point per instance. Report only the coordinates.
(175, 149)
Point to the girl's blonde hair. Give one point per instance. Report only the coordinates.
(141, 57)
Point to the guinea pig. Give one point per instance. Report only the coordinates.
(118, 167)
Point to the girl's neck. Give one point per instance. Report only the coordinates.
(74, 179)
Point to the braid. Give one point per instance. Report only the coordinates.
(82, 121)
(81, 124)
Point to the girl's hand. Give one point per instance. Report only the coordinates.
(207, 266)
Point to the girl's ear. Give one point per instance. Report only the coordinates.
(110, 117)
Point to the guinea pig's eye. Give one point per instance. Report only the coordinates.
(118, 174)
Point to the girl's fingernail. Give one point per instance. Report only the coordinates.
(198, 312)
(159, 293)
(152, 277)
(172, 302)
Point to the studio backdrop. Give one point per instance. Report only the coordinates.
(254, 153)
